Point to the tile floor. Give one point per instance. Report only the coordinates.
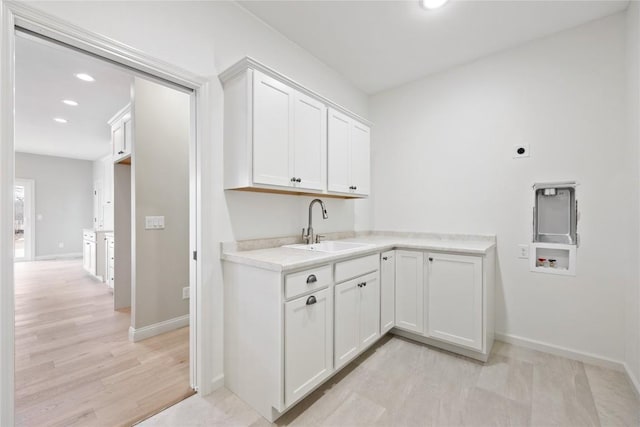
(402, 383)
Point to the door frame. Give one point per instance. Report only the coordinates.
(15, 15)
(29, 189)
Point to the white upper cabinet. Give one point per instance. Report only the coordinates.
(339, 152)
(280, 136)
(121, 136)
(272, 131)
(309, 143)
(454, 312)
(349, 155)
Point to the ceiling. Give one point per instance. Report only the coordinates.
(45, 75)
(381, 44)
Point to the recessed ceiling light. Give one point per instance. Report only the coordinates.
(432, 4)
(59, 120)
(70, 102)
(85, 77)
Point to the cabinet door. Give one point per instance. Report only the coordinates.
(308, 343)
(455, 299)
(309, 143)
(92, 258)
(360, 158)
(339, 156)
(410, 291)
(272, 131)
(387, 291)
(127, 140)
(86, 255)
(369, 309)
(117, 139)
(347, 342)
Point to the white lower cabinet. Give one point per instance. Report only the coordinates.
(387, 290)
(308, 343)
(89, 256)
(287, 333)
(455, 299)
(410, 291)
(357, 316)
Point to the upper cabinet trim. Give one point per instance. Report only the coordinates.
(250, 63)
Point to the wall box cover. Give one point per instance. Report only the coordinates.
(555, 213)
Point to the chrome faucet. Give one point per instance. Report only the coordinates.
(308, 235)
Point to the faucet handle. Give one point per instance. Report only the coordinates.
(319, 238)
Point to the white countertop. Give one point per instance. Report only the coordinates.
(285, 259)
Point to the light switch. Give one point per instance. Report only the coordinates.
(154, 222)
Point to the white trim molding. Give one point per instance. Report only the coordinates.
(71, 255)
(7, 316)
(635, 383)
(581, 356)
(145, 332)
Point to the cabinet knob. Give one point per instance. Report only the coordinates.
(364, 284)
(120, 152)
(384, 258)
(430, 259)
(293, 179)
(298, 180)
(311, 300)
(312, 279)
(359, 285)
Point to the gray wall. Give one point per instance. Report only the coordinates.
(63, 199)
(160, 178)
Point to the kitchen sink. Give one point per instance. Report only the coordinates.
(330, 246)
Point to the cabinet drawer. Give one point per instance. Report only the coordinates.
(308, 280)
(357, 267)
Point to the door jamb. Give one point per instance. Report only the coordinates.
(15, 14)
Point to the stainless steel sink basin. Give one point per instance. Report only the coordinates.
(330, 246)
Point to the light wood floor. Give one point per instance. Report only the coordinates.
(402, 383)
(74, 362)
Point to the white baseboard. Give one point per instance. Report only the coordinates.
(633, 380)
(59, 256)
(562, 351)
(217, 382)
(145, 332)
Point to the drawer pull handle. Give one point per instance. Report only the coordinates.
(311, 279)
(311, 300)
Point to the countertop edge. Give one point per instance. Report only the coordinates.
(236, 258)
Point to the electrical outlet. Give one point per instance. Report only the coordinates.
(185, 293)
(523, 251)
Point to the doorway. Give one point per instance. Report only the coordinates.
(19, 16)
(23, 226)
(113, 321)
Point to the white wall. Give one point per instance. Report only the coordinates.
(632, 309)
(63, 201)
(160, 176)
(205, 38)
(442, 151)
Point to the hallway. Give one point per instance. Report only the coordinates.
(74, 362)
